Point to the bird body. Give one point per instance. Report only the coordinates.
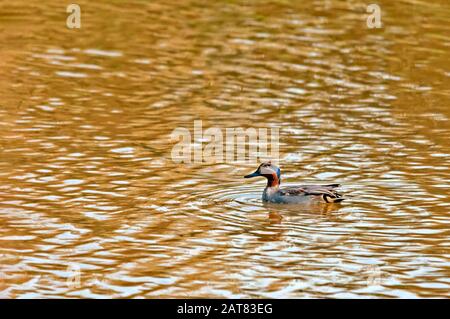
(302, 194)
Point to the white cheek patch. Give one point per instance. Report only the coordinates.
(265, 170)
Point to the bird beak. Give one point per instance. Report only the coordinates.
(252, 175)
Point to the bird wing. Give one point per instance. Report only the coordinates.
(327, 192)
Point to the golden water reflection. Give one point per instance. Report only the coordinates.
(88, 187)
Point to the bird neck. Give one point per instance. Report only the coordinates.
(272, 180)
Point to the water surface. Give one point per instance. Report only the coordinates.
(87, 182)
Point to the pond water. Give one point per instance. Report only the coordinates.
(92, 204)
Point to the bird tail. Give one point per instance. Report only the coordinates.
(333, 197)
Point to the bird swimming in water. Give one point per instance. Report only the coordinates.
(302, 194)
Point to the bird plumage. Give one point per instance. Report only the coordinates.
(293, 194)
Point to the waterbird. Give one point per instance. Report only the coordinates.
(302, 194)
